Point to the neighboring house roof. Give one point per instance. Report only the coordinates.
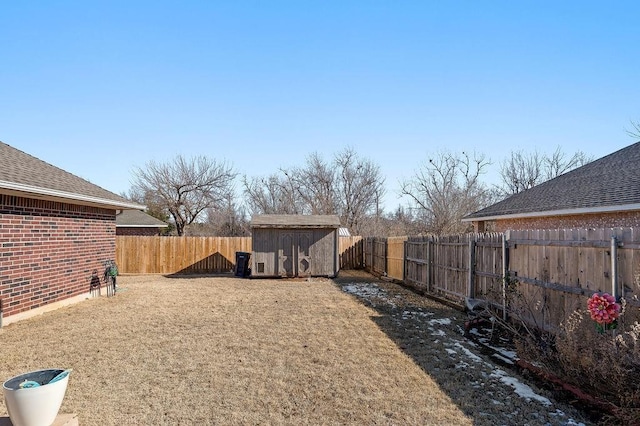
(295, 221)
(609, 184)
(24, 175)
(137, 219)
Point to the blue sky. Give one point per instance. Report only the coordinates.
(98, 88)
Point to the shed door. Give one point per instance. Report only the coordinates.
(286, 258)
(294, 254)
(304, 258)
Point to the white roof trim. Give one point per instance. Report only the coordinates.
(71, 197)
(562, 212)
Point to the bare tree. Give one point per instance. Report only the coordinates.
(315, 184)
(559, 162)
(186, 187)
(360, 187)
(274, 194)
(229, 220)
(522, 171)
(349, 186)
(635, 131)
(447, 188)
(310, 189)
(400, 222)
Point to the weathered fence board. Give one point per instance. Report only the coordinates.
(451, 266)
(418, 263)
(395, 257)
(489, 268)
(375, 258)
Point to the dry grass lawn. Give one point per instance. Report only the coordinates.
(208, 350)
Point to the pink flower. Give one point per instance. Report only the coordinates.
(603, 308)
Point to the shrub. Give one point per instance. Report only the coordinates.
(600, 358)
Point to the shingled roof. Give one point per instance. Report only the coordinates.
(24, 175)
(609, 184)
(295, 221)
(138, 219)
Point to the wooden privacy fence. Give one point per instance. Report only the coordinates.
(557, 270)
(173, 255)
(200, 255)
(540, 275)
(457, 267)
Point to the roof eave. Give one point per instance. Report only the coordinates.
(560, 212)
(23, 190)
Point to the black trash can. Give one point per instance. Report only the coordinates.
(242, 264)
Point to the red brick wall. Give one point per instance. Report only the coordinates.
(601, 220)
(49, 249)
(144, 232)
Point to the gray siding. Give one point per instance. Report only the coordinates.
(265, 252)
(323, 252)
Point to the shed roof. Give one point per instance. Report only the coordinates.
(24, 175)
(609, 184)
(138, 219)
(295, 221)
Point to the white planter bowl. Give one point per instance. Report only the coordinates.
(35, 406)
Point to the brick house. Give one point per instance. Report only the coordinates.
(137, 222)
(55, 229)
(602, 194)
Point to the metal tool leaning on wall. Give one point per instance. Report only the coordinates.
(108, 277)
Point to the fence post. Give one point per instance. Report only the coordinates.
(614, 267)
(404, 260)
(472, 261)
(386, 257)
(373, 255)
(372, 261)
(366, 253)
(429, 267)
(505, 273)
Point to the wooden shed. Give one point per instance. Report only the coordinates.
(295, 245)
